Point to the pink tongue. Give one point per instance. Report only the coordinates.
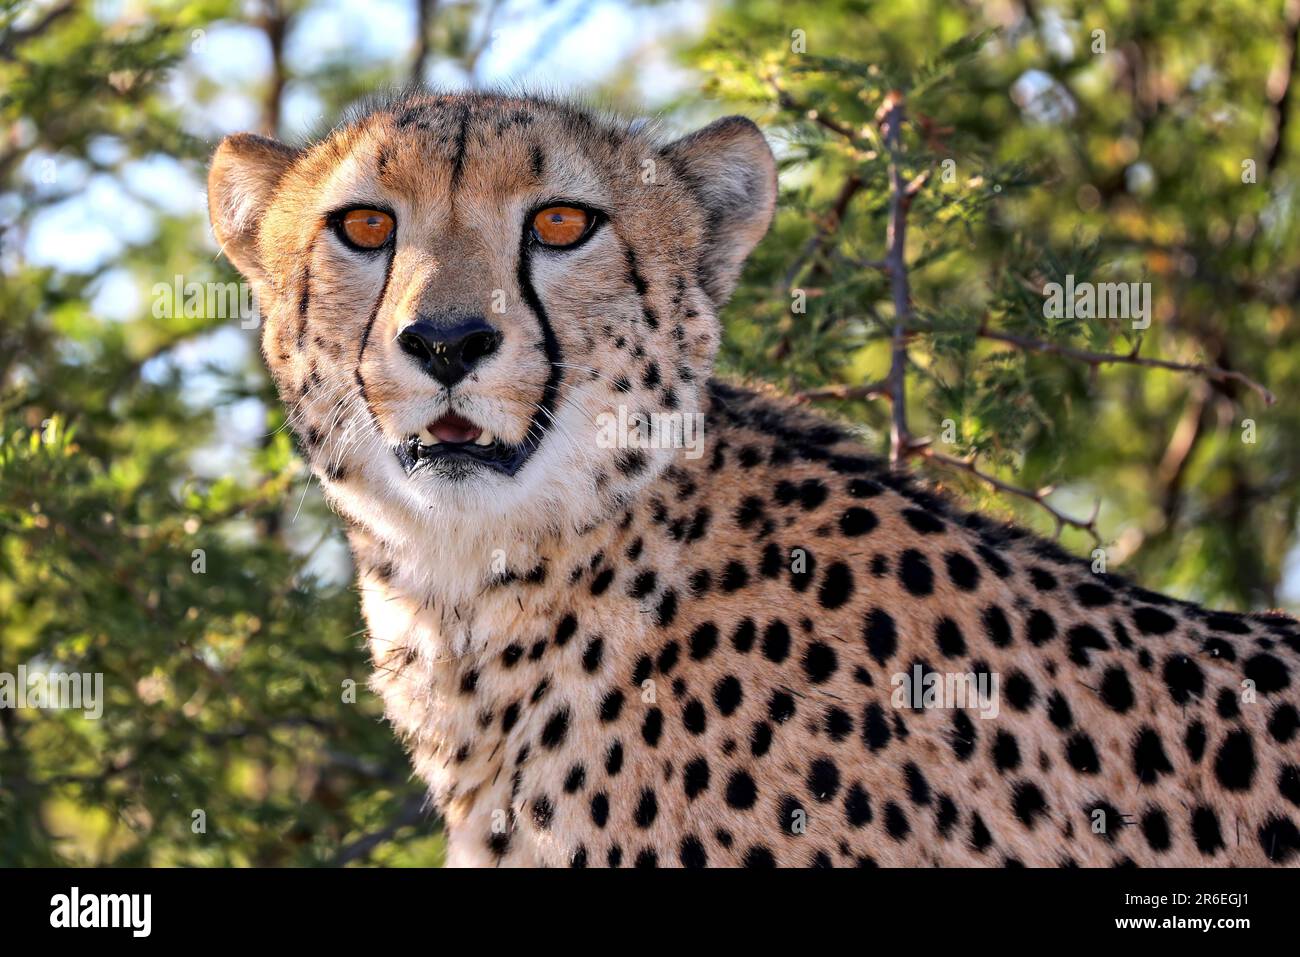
(454, 428)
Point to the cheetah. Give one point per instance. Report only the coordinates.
(711, 652)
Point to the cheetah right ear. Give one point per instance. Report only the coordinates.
(245, 171)
(731, 171)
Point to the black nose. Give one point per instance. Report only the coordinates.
(449, 351)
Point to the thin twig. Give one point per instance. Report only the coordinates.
(1095, 359)
(1039, 497)
(890, 116)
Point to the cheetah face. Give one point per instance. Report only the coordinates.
(456, 289)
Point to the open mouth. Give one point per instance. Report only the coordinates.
(453, 443)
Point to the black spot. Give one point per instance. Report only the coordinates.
(1279, 839)
(839, 723)
(923, 522)
(693, 716)
(896, 824)
(1081, 754)
(1234, 765)
(823, 779)
(760, 739)
(1219, 648)
(1006, 751)
(963, 572)
(743, 638)
(837, 586)
(1284, 723)
(875, 727)
(1028, 803)
(880, 635)
(741, 792)
(592, 656)
(1288, 783)
(647, 809)
(1226, 704)
(576, 778)
(918, 788)
(776, 641)
(727, 694)
(980, 838)
(995, 563)
(667, 609)
(695, 778)
(996, 626)
(599, 809)
(857, 806)
(652, 727)
(642, 585)
(564, 631)
(914, 572)
(1093, 596)
(1083, 639)
(1116, 690)
(1153, 621)
(1195, 741)
(759, 856)
(703, 640)
(1268, 673)
(781, 708)
(555, 730)
(1228, 623)
(949, 638)
(601, 581)
(1205, 830)
(734, 577)
(1149, 758)
(1058, 710)
(646, 859)
(1040, 628)
(691, 853)
(668, 656)
(858, 521)
(614, 758)
(819, 662)
(611, 705)
(1184, 678)
(1019, 690)
(945, 815)
(963, 736)
(1155, 828)
(1042, 579)
(543, 812)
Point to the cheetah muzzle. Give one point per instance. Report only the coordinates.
(624, 653)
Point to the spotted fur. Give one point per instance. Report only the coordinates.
(632, 657)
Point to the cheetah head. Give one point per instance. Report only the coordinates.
(457, 291)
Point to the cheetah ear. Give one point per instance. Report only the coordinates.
(245, 171)
(730, 169)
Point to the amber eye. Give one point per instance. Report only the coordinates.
(561, 225)
(366, 228)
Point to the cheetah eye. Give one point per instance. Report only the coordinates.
(561, 226)
(365, 228)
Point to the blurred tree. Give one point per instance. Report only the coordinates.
(944, 162)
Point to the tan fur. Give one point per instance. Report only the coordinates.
(563, 650)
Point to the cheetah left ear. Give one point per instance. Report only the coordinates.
(730, 169)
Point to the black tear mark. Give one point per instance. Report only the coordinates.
(365, 336)
(462, 137)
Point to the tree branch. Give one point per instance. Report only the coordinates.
(1038, 497)
(1096, 359)
(890, 116)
